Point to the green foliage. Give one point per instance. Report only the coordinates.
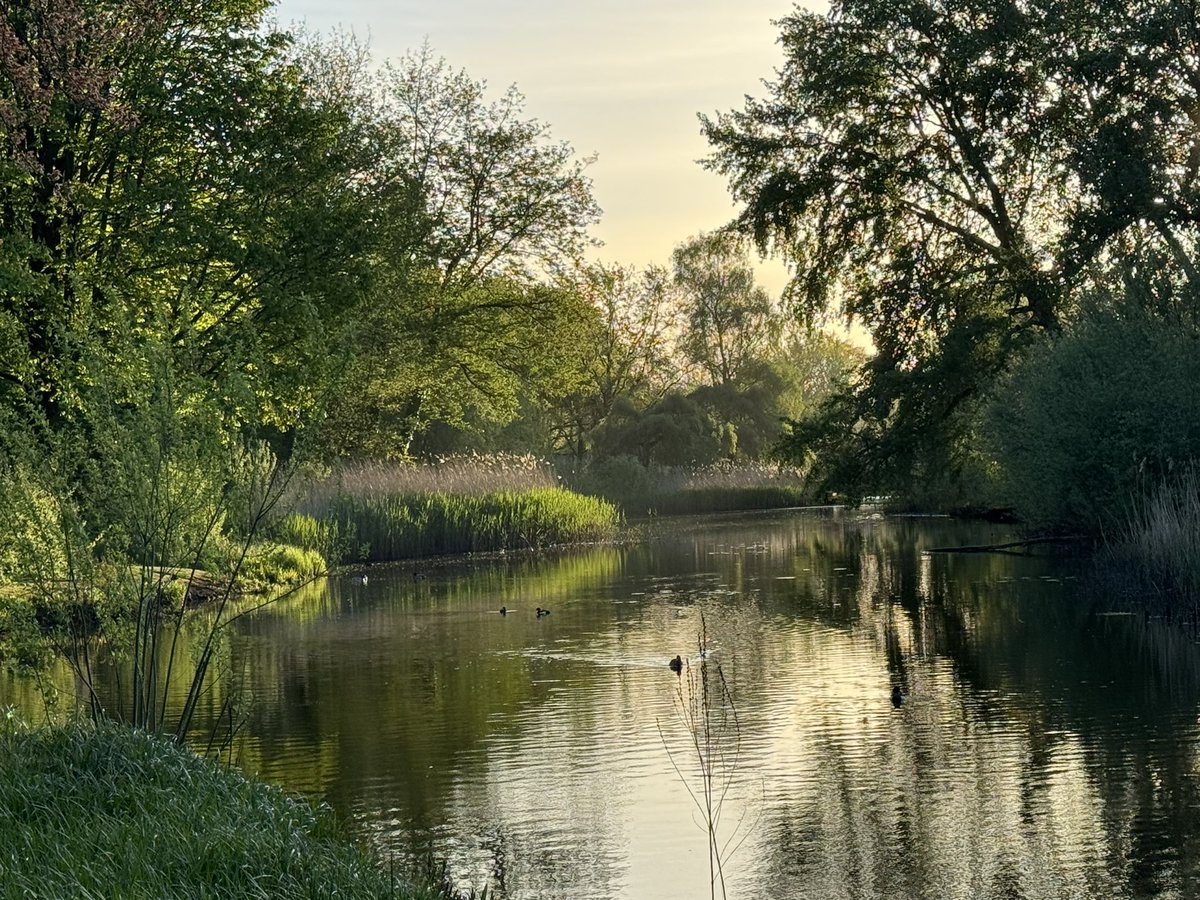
(624, 350)
(1090, 421)
(956, 177)
(675, 431)
(309, 533)
(104, 811)
(731, 321)
(33, 545)
(169, 174)
(409, 525)
(270, 564)
(479, 206)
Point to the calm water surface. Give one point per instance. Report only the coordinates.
(1048, 746)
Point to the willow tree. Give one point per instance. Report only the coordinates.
(948, 173)
(622, 350)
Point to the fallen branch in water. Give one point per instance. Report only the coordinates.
(1002, 548)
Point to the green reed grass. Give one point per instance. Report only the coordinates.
(106, 811)
(1163, 539)
(465, 474)
(391, 526)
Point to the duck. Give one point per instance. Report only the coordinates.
(676, 664)
(542, 612)
(504, 610)
(897, 697)
(364, 579)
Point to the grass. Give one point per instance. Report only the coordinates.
(385, 511)
(107, 811)
(1162, 540)
(409, 525)
(723, 487)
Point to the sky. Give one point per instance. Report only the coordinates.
(623, 79)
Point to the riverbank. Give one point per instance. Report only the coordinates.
(104, 811)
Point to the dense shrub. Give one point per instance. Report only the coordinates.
(1090, 421)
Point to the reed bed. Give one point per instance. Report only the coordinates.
(464, 474)
(1163, 540)
(668, 490)
(105, 811)
(410, 525)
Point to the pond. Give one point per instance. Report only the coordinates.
(1047, 745)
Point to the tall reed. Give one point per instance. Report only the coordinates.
(672, 490)
(403, 526)
(704, 706)
(381, 512)
(1163, 539)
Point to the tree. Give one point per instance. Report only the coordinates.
(730, 320)
(813, 366)
(169, 170)
(477, 205)
(905, 163)
(624, 350)
(955, 174)
(460, 359)
(674, 431)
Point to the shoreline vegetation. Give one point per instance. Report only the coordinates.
(389, 512)
(100, 810)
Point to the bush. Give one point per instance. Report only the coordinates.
(276, 564)
(1088, 422)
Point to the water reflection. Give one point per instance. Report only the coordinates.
(1045, 748)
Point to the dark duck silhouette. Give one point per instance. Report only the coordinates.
(676, 664)
(504, 610)
(897, 697)
(542, 612)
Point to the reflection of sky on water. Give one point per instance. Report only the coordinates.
(1045, 749)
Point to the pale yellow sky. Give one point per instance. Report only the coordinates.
(623, 80)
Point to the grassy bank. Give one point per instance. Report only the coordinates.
(106, 811)
(404, 526)
(379, 512)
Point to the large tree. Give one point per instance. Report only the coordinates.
(950, 172)
(729, 320)
(623, 350)
(168, 175)
(478, 206)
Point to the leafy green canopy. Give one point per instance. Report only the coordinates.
(479, 207)
(953, 174)
(168, 176)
